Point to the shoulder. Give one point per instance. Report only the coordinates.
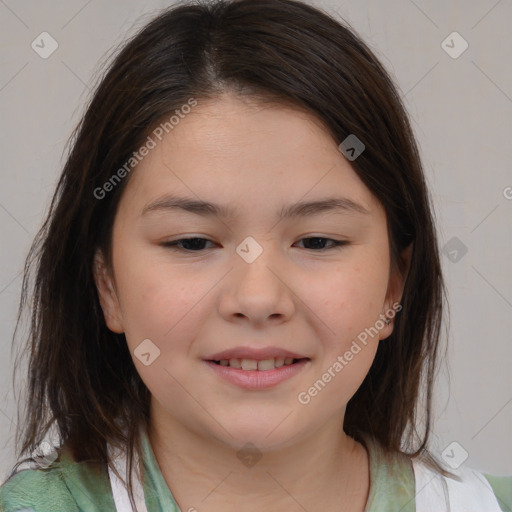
(64, 486)
(469, 490)
(502, 488)
(36, 490)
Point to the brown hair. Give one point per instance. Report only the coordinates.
(81, 375)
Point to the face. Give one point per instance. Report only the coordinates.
(257, 282)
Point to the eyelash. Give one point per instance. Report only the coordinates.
(174, 245)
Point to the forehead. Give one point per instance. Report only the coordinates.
(240, 150)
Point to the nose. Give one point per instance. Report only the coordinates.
(258, 292)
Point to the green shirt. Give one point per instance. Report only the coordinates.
(68, 486)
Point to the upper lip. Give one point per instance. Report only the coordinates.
(258, 354)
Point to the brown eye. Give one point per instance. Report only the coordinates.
(187, 244)
(319, 242)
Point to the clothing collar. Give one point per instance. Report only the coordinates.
(158, 496)
(391, 480)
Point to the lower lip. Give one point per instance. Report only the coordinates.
(257, 379)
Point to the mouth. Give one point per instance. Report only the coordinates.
(258, 368)
(258, 365)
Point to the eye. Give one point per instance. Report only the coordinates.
(319, 241)
(196, 244)
(188, 244)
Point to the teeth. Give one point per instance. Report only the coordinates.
(249, 364)
(252, 364)
(266, 364)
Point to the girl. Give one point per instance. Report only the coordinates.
(238, 295)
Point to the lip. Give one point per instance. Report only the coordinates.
(259, 354)
(257, 379)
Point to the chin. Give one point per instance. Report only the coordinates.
(266, 432)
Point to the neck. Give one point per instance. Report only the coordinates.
(326, 470)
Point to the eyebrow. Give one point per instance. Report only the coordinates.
(300, 209)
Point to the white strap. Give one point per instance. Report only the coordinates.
(431, 489)
(119, 489)
(436, 492)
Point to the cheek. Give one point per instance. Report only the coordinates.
(156, 300)
(339, 380)
(160, 304)
(350, 298)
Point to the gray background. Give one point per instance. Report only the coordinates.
(461, 113)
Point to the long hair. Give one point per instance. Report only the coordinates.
(82, 379)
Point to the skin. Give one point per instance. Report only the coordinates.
(255, 159)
